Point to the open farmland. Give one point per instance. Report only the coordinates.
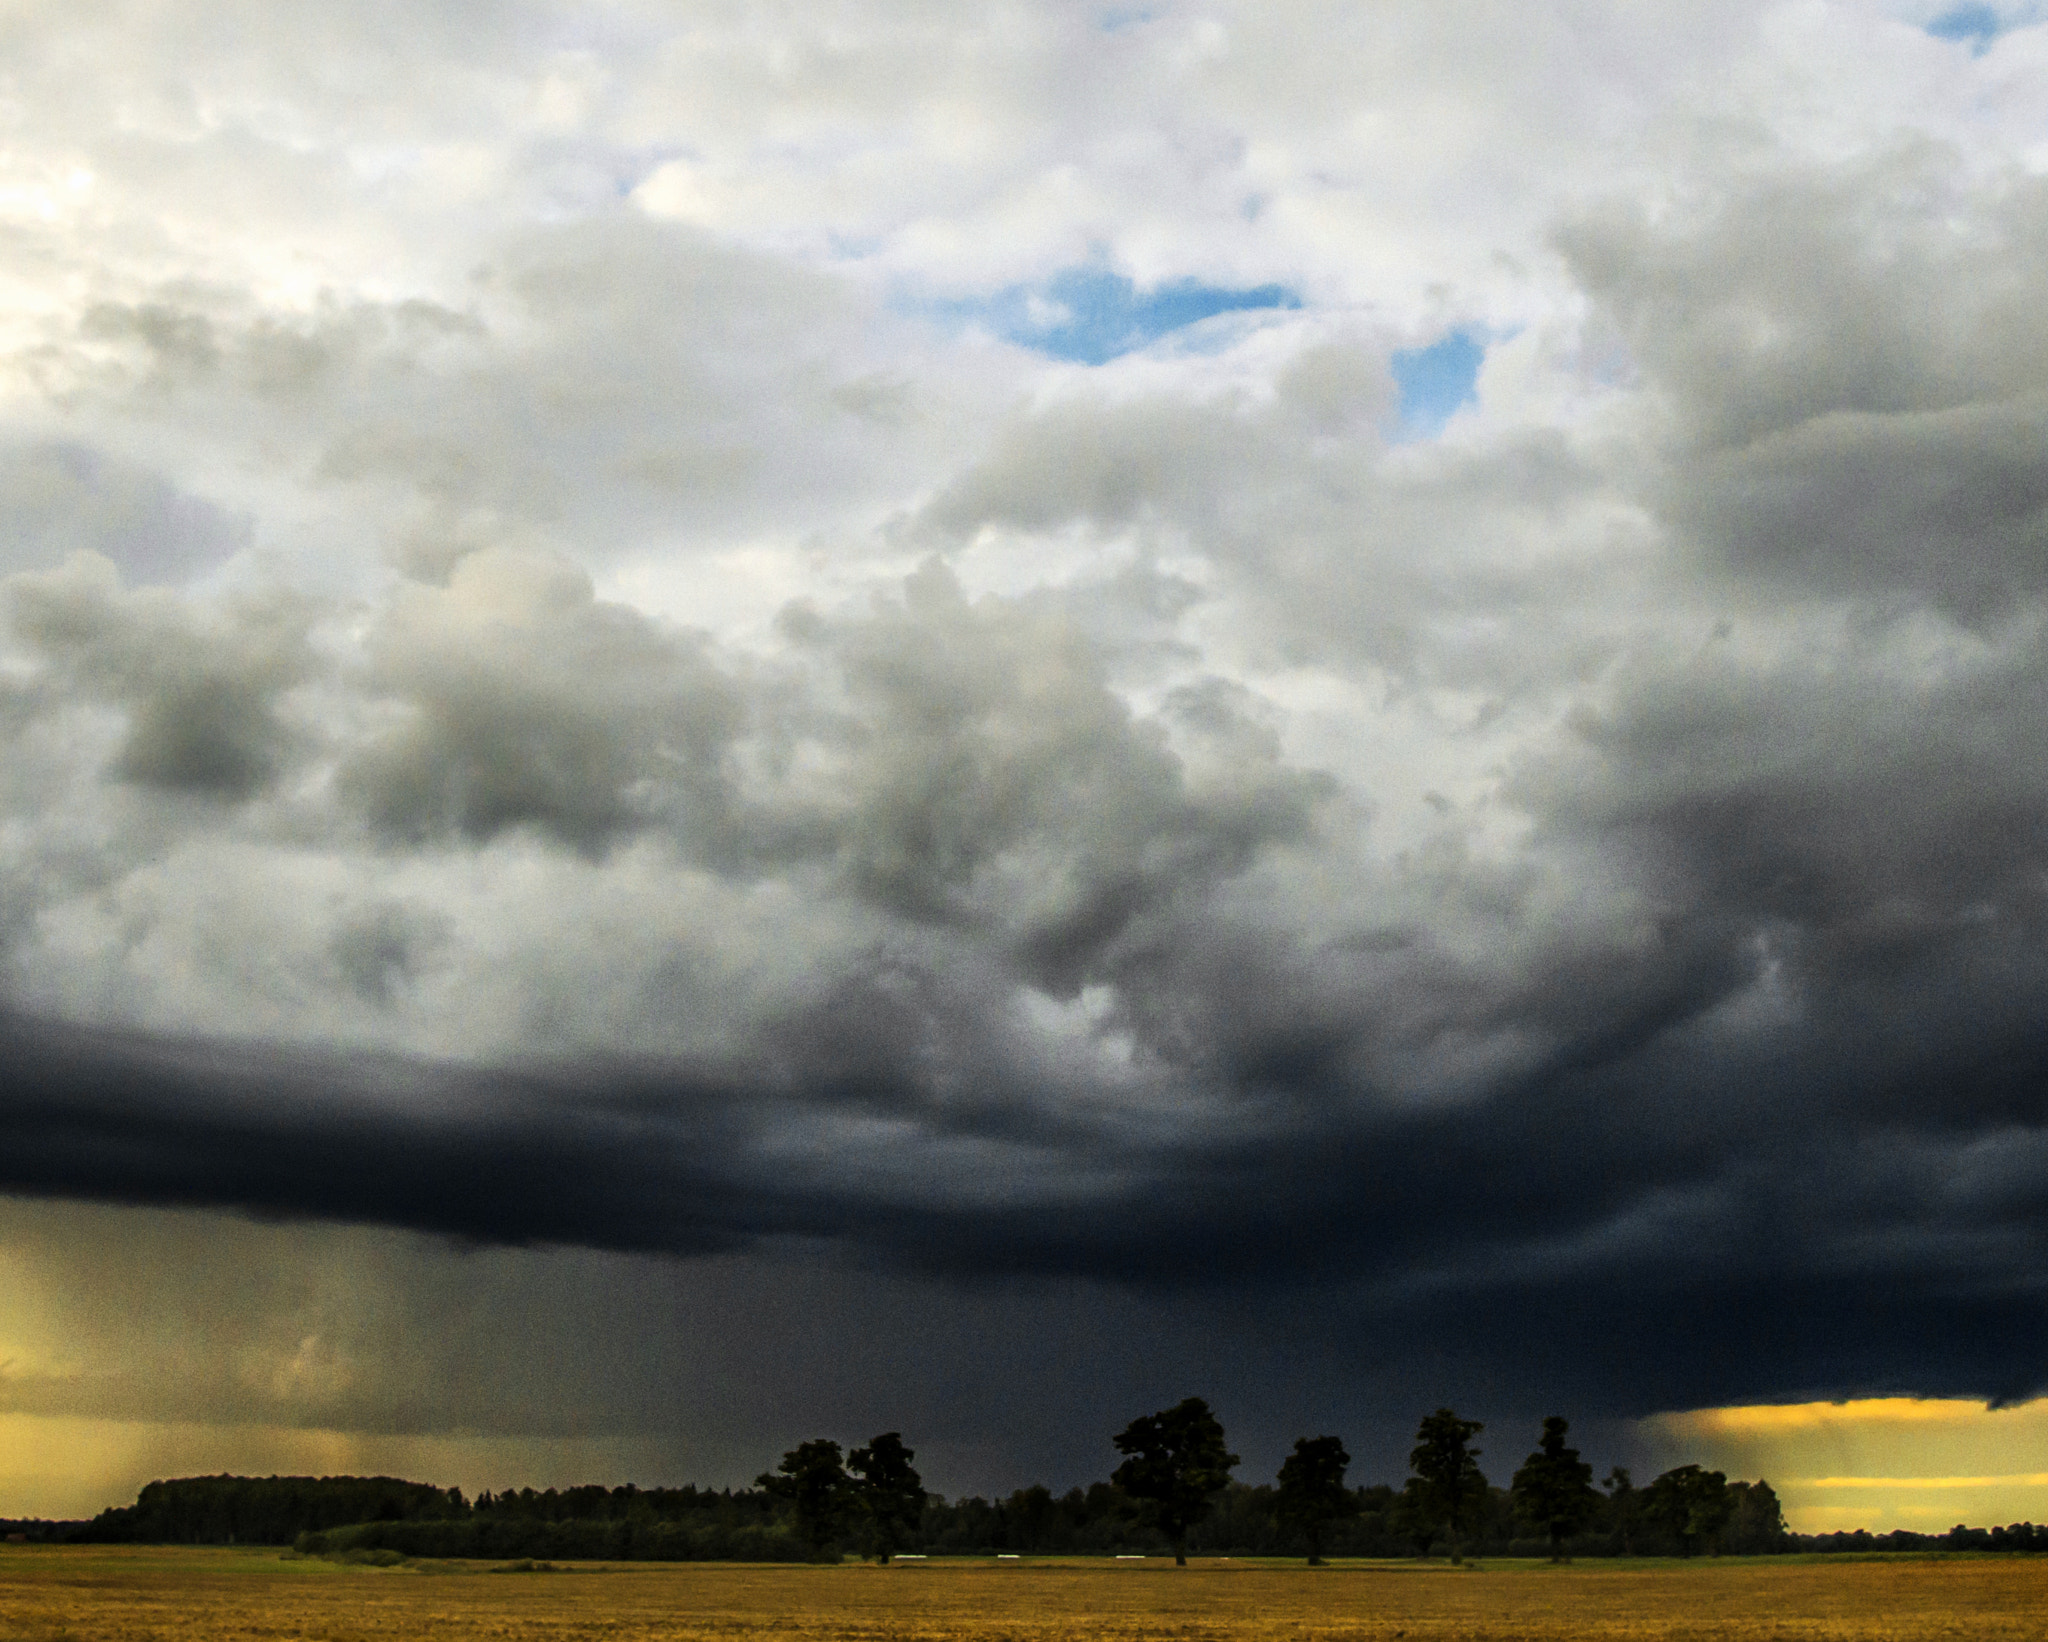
(172, 1595)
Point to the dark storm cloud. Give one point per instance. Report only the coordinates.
(1571, 896)
(998, 784)
(1646, 1221)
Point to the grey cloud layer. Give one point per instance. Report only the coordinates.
(639, 741)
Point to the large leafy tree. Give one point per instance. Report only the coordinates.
(1177, 1462)
(812, 1480)
(888, 1492)
(1312, 1494)
(1691, 1504)
(1554, 1488)
(1757, 1521)
(1446, 1468)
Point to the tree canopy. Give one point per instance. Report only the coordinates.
(1691, 1503)
(813, 1480)
(866, 1499)
(1554, 1489)
(888, 1492)
(1447, 1473)
(1312, 1493)
(1177, 1462)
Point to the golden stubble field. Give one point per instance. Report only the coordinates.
(96, 1594)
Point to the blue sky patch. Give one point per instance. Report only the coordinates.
(1091, 315)
(1437, 381)
(1978, 24)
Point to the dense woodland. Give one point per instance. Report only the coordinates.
(1173, 1493)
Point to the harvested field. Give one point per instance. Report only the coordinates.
(82, 1594)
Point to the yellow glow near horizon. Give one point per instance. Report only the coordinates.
(2020, 1479)
(68, 1466)
(1875, 1462)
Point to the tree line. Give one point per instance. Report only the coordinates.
(1173, 1492)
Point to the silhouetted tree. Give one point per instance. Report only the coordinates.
(1756, 1522)
(1624, 1507)
(1447, 1468)
(1691, 1504)
(228, 1510)
(1553, 1490)
(1177, 1461)
(888, 1491)
(1414, 1516)
(814, 1483)
(1034, 1521)
(1312, 1493)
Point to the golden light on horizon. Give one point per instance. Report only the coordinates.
(1876, 1462)
(72, 1466)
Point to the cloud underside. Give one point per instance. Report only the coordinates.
(1662, 1230)
(638, 737)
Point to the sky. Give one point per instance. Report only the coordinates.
(733, 722)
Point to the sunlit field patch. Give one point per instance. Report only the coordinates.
(169, 1595)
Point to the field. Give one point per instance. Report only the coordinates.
(100, 1594)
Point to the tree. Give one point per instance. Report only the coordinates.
(888, 1491)
(1414, 1516)
(1624, 1506)
(1177, 1461)
(1756, 1521)
(1554, 1488)
(1447, 1468)
(1691, 1504)
(813, 1482)
(1312, 1493)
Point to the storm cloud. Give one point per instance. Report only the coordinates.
(568, 680)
